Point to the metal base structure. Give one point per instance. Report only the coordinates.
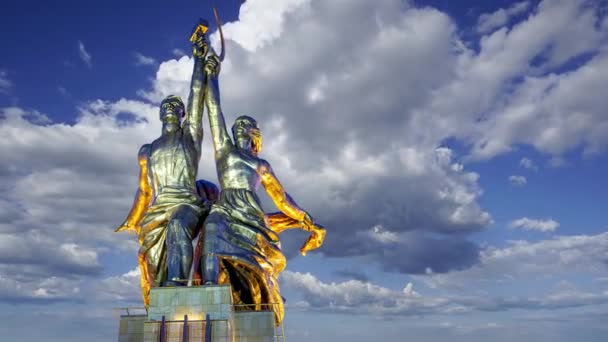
(200, 313)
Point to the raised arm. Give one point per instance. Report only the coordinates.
(193, 124)
(143, 197)
(221, 138)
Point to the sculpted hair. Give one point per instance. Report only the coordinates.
(175, 98)
(256, 140)
(255, 133)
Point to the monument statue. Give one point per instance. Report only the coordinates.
(168, 206)
(238, 244)
(241, 246)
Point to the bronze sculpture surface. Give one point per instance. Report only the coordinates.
(238, 243)
(167, 209)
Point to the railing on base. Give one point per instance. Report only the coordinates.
(130, 312)
(279, 330)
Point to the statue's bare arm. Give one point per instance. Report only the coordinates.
(291, 216)
(144, 194)
(281, 199)
(221, 138)
(193, 123)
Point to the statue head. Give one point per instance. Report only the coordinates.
(246, 133)
(172, 111)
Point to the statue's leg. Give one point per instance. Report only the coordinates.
(152, 255)
(180, 232)
(210, 263)
(144, 281)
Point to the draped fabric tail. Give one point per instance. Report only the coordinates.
(249, 253)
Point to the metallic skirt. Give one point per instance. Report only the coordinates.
(236, 231)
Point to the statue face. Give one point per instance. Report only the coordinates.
(242, 126)
(245, 130)
(172, 110)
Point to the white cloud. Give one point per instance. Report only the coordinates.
(143, 60)
(261, 22)
(490, 21)
(172, 78)
(356, 297)
(548, 225)
(353, 295)
(376, 119)
(5, 83)
(521, 262)
(338, 107)
(66, 187)
(508, 92)
(518, 180)
(18, 286)
(84, 55)
(528, 163)
(125, 287)
(379, 234)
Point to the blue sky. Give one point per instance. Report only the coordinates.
(456, 153)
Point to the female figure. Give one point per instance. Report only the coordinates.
(241, 245)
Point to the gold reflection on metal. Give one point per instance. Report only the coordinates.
(167, 205)
(201, 29)
(240, 240)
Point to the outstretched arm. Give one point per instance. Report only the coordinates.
(193, 124)
(281, 199)
(279, 222)
(221, 138)
(291, 216)
(143, 196)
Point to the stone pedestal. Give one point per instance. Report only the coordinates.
(202, 311)
(131, 328)
(254, 326)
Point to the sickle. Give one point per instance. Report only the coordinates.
(219, 27)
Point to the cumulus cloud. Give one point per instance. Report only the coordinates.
(140, 59)
(522, 261)
(410, 252)
(356, 297)
(85, 56)
(490, 21)
(353, 295)
(65, 188)
(507, 92)
(29, 289)
(358, 144)
(352, 181)
(518, 180)
(548, 225)
(121, 288)
(528, 163)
